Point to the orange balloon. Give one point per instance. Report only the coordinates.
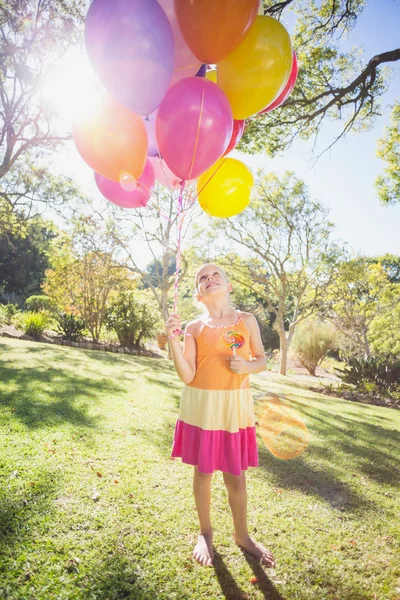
(214, 28)
(112, 140)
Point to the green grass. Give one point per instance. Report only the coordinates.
(330, 516)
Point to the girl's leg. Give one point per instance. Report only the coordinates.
(237, 497)
(203, 551)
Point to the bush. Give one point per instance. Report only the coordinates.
(132, 318)
(70, 326)
(35, 323)
(373, 375)
(38, 303)
(311, 343)
(7, 312)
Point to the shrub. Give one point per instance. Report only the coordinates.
(132, 318)
(34, 324)
(7, 312)
(311, 343)
(380, 374)
(70, 326)
(38, 303)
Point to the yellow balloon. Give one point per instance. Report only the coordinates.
(212, 75)
(257, 71)
(224, 189)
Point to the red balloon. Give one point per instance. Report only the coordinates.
(287, 90)
(238, 130)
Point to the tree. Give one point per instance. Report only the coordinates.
(311, 343)
(358, 295)
(29, 189)
(291, 258)
(388, 185)
(84, 272)
(24, 257)
(330, 85)
(33, 34)
(133, 317)
(157, 228)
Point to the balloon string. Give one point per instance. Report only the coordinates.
(179, 243)
(197, 133)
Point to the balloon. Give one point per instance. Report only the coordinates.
(164, 175)
(224, 190)
(214, 28)
(194, 126)
(211, 75)
(133, 196)
(150, 124)
(287, 90)
(131, 46)
(112, 140)
(257, 71)
(185, 63)
(238, 130)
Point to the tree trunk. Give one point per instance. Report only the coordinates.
(280, 327)
(366, 345)
(165, 314)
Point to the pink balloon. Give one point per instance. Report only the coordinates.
(129, 193)
(164, 175)
(194, 126)
(287, 90)
(185, 63)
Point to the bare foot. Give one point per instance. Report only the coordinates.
(257, 550)
(203, 551)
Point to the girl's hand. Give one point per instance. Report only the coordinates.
(173, 322)
(238, 365)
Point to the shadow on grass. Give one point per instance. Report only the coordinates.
(43, 396)
(116, 577)
(231, 590)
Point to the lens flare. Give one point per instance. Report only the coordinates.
(283, 431)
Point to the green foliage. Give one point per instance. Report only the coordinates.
(373, 374)
(311, 342)
(7, 313)
(331, 84)
(133, 318)
(388, 184)
(359, 295)
(24, 257)
(34, 323)
(39, 303)
(70, 326)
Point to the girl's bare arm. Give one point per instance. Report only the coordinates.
(184, 358)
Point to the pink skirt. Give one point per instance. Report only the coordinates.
(215, 450)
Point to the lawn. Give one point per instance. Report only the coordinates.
(92, 507)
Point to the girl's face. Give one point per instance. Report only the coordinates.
(211, 280)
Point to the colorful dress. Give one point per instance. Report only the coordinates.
(215, 429)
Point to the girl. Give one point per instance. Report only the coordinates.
(216, 427)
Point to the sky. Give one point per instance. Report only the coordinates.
(343, 177)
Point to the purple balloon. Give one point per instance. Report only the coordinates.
(202, 71)
(194, 126)
(131, 46)
(150, 124)
(129, 194)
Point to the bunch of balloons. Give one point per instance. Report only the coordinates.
(163, 114)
